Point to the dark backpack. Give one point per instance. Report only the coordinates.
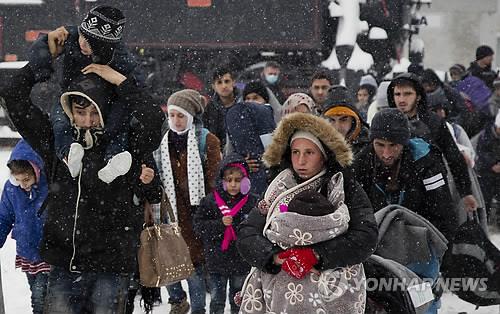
(472, 257)
(390, 300)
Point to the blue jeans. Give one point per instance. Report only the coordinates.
(218, 284)
(38, 287)
(98, 293)
(197, 291)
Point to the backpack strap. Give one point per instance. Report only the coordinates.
(202, 145)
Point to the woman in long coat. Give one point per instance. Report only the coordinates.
(305, 167)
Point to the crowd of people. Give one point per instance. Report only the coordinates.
(274, 195)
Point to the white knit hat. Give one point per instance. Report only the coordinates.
(308, 136)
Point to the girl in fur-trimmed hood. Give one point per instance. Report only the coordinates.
(308, 152)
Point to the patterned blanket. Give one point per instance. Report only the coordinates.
(340, 290)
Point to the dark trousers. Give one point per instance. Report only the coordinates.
(38, 287)
(75, 293)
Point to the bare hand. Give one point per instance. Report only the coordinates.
(56, 40)
(277, 261)
(227, 220)
(470, 203)
(468, 160)
(106, 72)
(147, 174)
(496, 168)
(253, 164)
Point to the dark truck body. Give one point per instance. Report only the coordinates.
(179, 42)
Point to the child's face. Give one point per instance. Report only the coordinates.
(25, 180)
(84, 46)
(362, 95)
(256, 98)
(232, 179)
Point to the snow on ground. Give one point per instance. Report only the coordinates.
(17, 294)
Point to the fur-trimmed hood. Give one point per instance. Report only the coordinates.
(319, 127)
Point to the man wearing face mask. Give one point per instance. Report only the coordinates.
(271, 78)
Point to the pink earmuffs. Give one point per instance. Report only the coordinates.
(245, 184)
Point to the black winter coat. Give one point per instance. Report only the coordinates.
(91, 225)
(488, 152)
(208, 224)
(423, 187)
(214, 119)
(433, 129)
(352, 247)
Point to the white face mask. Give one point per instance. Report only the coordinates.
(271, 78)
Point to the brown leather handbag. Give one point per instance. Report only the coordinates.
(163, 255)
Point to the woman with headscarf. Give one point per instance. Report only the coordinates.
(310, 154)
(188, 161)
(298, 102)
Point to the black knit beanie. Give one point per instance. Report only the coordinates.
(310, 203)
(103, 29)
(483, 51)
(338, 95)
(392, 125)
(256, 87)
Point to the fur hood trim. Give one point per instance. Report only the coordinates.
(319, 127)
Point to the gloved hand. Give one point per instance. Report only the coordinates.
(298, 261)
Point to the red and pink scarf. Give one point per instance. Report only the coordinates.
(229, 233)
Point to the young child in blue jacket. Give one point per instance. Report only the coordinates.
(21, 212)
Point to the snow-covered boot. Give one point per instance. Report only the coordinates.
(117, 166)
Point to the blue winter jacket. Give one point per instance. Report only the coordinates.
(246, 122)
(19, 209)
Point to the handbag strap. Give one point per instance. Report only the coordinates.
(473, 216)
(166, 208)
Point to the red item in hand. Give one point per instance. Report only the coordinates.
(237, 298)
(298, 261)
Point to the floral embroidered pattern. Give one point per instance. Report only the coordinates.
(314, 299)
(251, 299)
(331, 285)
(293, 295)
(301, 238)
(351, 271)
(359, 306)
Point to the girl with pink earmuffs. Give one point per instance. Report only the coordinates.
(216, 221)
